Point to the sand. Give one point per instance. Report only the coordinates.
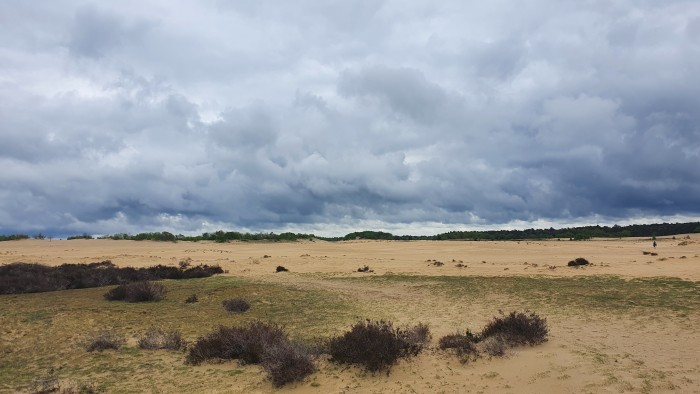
(588, 350)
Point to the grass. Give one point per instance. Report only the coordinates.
(588, 292)
(41, 331)
(49, 330)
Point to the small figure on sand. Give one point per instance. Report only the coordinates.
(654, 244)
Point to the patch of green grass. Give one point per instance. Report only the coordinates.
(68, 319)
(589, 292)
(37, 316)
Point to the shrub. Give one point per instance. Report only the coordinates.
(191, 299)
(518, 328)
(579, 261)
(281, 269)
(19, 278)
(286, 362)
(245, 343)
(464, 345)
(237, 305)
(156, 338)
(364, 269)
(104, 341)
(494, 346)
(255, 343)
(417, 336)
(376, 346)
(137, 292)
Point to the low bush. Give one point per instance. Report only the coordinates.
(255, 343)
(245, 343)
(237, 305)
(502, 332)
(518, 328)
(376, 346)
(579, 261)
(156, 338)
(286, 362)
(17, 278)
(417, 337)
(137, 292)
(191, 299)
(281, 269)
(464, 345)
(494, 346)
(105, 341)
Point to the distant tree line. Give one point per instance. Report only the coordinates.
(218, 236)
(13, 237)
(570, 233)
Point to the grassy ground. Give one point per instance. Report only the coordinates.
(591, 292)
(50, 330)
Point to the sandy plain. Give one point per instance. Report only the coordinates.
(627, 323)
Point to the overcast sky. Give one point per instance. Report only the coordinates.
(333, 116)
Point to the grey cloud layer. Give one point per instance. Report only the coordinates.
(272, 115)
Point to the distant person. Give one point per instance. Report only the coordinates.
(654, 244)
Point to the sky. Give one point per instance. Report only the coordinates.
(326, 117)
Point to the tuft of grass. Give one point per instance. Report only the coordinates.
(106, 340)
(156, 338)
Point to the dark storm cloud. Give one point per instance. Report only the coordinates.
(328, 117)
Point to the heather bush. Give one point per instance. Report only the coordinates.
(463, 345)
(579, 261)
(255, 343)
(137, 292)
(418, 335)
(518, 328)
(244, 343)
(237, 305)
(376, 346)
(494, 346)
(286, 362)
(19, 278)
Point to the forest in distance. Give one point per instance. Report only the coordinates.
(570, 233)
